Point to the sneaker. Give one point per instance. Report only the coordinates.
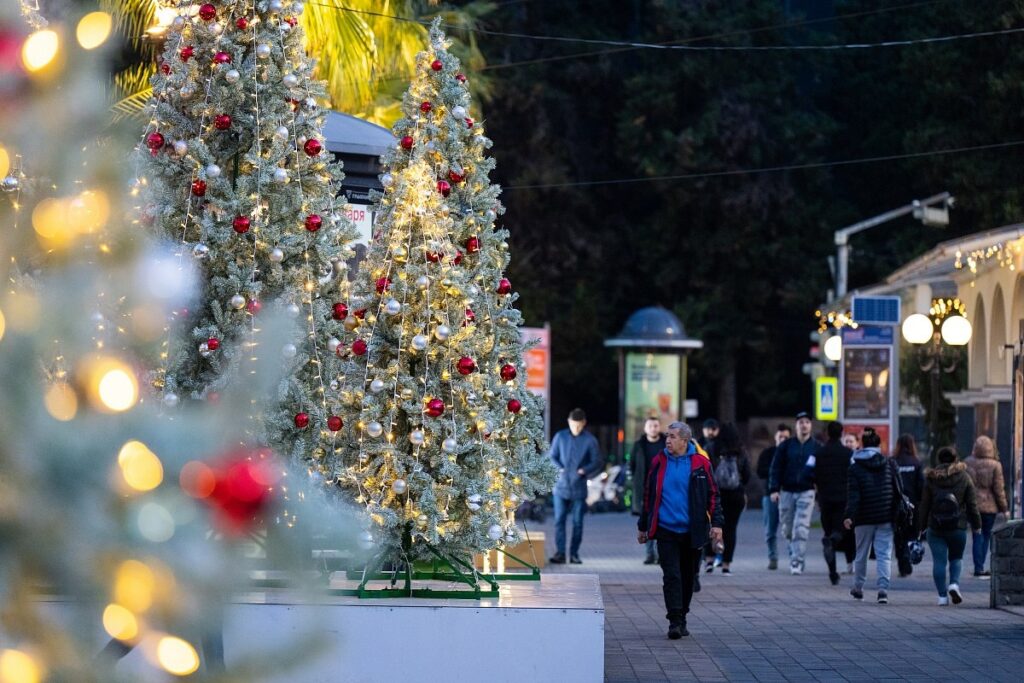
(557, 558)
(954, 594)
(834, 578)
(725, 570)
(985, 575)
(849, 567)
(709, 567)
(943, 601)
(773, 564)
(650, 559)
(883, 598)
(857, 593)
(575, 559)
(677, 631)
(795, 568)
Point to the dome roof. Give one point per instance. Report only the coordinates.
(654, 327)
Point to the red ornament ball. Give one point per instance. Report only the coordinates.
(383, 284)
(199, 187)
(301, 420)
(312, 147)
(469, 123)
(444, 187)
(514, 406)
(461, 78)
(361, 313)
(472, 244)
(154, 141)
(213, 343)
(313, 222)
(207, 12)
(504, 286)
(435, 407)
(187, 52)
(508, 372)
(458, 258)
(222, 121)
(466, 365)
(242, 23)
(425, 107)
(359, 347)
(434, 256)
(222, 58)
(165, 68)
(470, 316)
(334, 423)
(339, 311)
(436, 65)
(456, 177)
(243, 488)
(241, 224)
(253, 306)
(291, 21)
(406, 142)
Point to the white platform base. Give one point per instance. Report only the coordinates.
(552, 630)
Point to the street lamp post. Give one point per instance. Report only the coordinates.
(936, 356)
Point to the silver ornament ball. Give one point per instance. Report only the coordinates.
(11, 183)
(181, 148)
(392, 307)
(399, 486)
(200, 251)
(449, 445)
(290, 80)
(423, 282)
(374, 429)
(292, 310)
(387, 180)
(280, 176)
(178, 23)
(263, 50)
(495, 532)
(289, 350)
(377, 386)
(416, 437)
(419, 342)
(276, 255)
(171, 399)
(442, 332)
(459, 112)
(275, 6)
(298, 8)
(332, 344)
(237, 302)
(281, 132)
(213, 171)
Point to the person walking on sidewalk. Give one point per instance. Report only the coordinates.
(731, 475)
(948, 505)
(681, 512)
(832, 466)
(575, 452)
(870, 509)
(769, 507)
(912, 483)
(792, 487)
(644, 450)
(987, 474)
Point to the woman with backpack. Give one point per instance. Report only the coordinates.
(948, 505)
(731, 474)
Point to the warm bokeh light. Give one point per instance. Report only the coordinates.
(22, 311)
(3, 325)
(918, 329)
(834, 348)
(134, 586)
(120, 623)
(50, 221)
(956, 330)
(177, 656)
(197, 479)
(5, 162)
(93, 29)
(40, 49)
(118, 389)
(19, 667)
(58, 220)
(88, 212)
(140, 467)
(61, 402)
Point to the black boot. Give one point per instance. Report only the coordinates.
(829, 550)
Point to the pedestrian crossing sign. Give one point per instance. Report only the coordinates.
(826, 398)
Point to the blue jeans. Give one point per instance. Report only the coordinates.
(795, 511)
(879, 536)
(947, 548)
(562, 508)
(770, 517)
(980, 542)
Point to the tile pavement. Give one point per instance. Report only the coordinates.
(757, 625)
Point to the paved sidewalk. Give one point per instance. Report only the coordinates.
(757, 625)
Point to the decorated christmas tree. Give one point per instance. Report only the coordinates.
(232, 168)
(441, 439)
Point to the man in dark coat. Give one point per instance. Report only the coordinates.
(575, 452)
(644, 450)
(791, 484)
(770, 508)
(830, 474)
(870, 508)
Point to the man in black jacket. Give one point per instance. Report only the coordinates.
(769, 508)
(830, 474)
(643, 452)
(870, 510)
(791, 484)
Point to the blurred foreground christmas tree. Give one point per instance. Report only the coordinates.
(441, 439)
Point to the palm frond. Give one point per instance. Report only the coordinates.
(131, 19)
(131, 107)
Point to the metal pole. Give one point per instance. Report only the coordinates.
(842, 266)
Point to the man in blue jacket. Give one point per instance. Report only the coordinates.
(576, 454)
(682, 511)
(791, 483)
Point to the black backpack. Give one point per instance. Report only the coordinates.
(945, 511)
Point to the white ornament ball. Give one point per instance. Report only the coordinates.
(178, 23)
(374, 429)
(263, 50)
(449, 445)
(276, 255)
(216, 28)
(459, 112)
(289, 350)
(200, 251)
(495, 532)
(181, 148)
(387, 180)
(298, 8)
(238, 302)
(290, 80)
(416, 437)
(232, 75)
(399, 486)
(275, 6)
(442, 332)
(366, 540)
(332, 344)
(171, 399)
(392, 307)
(419, 342)
(490, 214)
(423, 282)
(377, 386)
(281, 132)
(280, 176)
(213, 171)
(292, 310)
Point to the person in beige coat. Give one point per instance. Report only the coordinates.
(987, 474)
